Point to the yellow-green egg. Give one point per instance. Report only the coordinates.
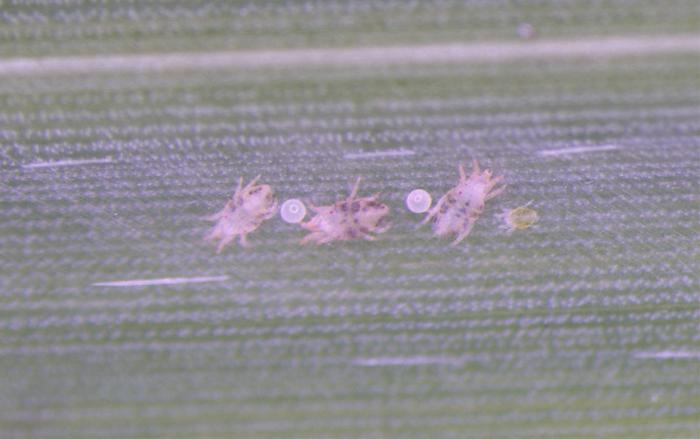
(520, 218)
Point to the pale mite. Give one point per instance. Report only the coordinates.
(243, 213)
(352, 218)
(457, 211)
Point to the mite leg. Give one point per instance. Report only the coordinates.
(495, 193)
(496, 180)
(312, 206)
(475, 168)
(464, 232)
(225, 241)
(353, 193)
(383, 228)
(368, 237)
(317, 238)
(325, 239)
(252, 182)
(432, 212)
(272, 211)
(217, 215)
(312, 237)
(212, 236)
(239, 187)
(493, 182)
(243, 240)
(430, 215)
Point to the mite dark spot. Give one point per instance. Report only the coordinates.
(254, 191)
(355, 206)
(364, 230)
(344, 206)
(352, 233)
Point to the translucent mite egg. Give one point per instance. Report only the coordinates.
(418, 201)
(293, 211)
(519, 218)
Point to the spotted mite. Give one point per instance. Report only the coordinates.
(243, 213)
(519, 218)
(457, 211)
(352, 218)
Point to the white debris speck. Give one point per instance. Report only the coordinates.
(68, 162)
(577, 150)
(526, 31)
(162, 281)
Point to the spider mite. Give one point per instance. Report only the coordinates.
(352, 218)
(457, 211)
(243, 213)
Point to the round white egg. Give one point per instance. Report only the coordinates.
(293, 211)
(418, 201)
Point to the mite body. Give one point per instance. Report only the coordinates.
(243, 213)
(457, 211)
(352, 218)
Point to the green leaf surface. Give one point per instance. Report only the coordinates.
(585, 325)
